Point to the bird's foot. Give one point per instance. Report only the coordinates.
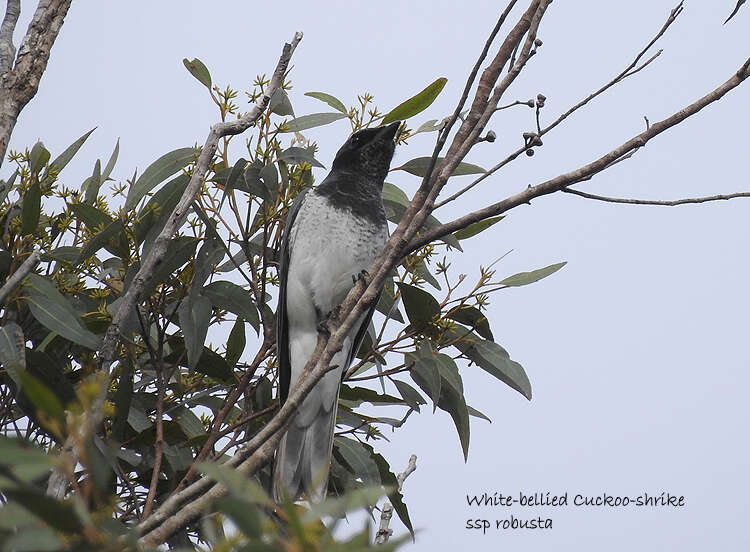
(323, 327)
(363, 276)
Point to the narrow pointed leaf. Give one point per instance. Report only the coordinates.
(101, 239)
(525, 278)
(421, 307)
(296, 155)
(13, 350)
(56, 314)
(410, 395)
(474, 318)
(31, 208)
(38, 157)
(195, 315)
(311, 121)
(335, 103)
(476, 228)
(64, 158)
(416, 104)
(111, 162)
(156, 173)
(230, 297)
(419, 166)
(236, 342)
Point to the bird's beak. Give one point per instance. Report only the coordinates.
(388, 132)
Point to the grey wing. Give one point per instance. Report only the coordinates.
(282, 324)
(357, 343)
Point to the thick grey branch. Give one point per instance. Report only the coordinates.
(7, 49)
(666, 203)
(20, 82)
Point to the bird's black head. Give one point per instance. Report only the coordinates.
(368, 152)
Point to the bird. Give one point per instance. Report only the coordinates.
(333, 232)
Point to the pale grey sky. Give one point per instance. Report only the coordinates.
(636, 350)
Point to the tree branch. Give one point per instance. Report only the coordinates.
(384, 531)
(583, 173)
(667, 203)
(20, 82)
(15, 279)
(7, 49)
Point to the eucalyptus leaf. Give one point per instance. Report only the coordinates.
(280, 104)
(236, 342)
(38, 158)
(416, 104)
(64, 158)
(358, 459)
(525, 278)
(313, 120)
(335, 103)
(474, 318)
(31, 208)
(198, 70)
(13, 350)
(420, 165)
(230, 297)
(158, 172)
(421, 307)
(195, 315)
(477, 227)
(296, 155)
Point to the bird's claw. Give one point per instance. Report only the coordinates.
(362, 276)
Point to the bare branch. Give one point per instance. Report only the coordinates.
(630, 70)
(19, 83)
(17, 277)
(7, 49)
(667, 203)
(586, 172)
(384, 531)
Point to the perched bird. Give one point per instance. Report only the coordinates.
(333, 232)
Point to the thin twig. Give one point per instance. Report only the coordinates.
(667, 203)
(384, 531)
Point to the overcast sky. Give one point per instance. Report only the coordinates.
(636, 350)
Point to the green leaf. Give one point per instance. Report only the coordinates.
(358, 395)
(64, 158)
(43, 399)
(31, 208)
(410, 395)
(236, 342)
(387, 301)
(338, 507)
(335, 103)
(238, 484)
(270, 177)
(100, 239)
(38, 158)
(22, 460)
(195, 315)
(180, 251)
(55, 313)
(424, 371)
(13, 350)
(91, 216)
(311, 121)
(91, 185)
(190, 424)
(419, 166)
(395, 496)
(158, 172)
(524, 278)
(416, 104)
(358, 459)
(230, 297)
(476, 228)
(452, 399)
(154, 215)
(33, 539)
(296, 155)
(495, 360)
(111, 162)
(477, 414)
(280, 104)
(474, 318)
(245, 515)
(58, 515)
(199, 71)
(421, 307)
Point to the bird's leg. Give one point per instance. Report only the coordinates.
(363, 276)
(323, 322)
